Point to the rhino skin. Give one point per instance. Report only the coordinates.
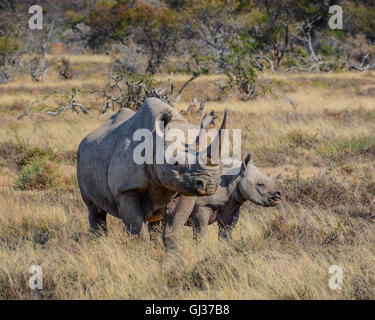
(111, 182)
(224, 206)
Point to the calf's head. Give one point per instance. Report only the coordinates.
(258, 187)
(190, 179)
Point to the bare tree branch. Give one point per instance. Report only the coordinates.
(72, 104)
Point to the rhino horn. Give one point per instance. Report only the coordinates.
(215, 146)
(206, 120)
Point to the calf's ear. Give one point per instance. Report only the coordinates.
(245, 162)
(161, 121)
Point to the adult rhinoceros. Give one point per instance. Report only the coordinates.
(112, 182)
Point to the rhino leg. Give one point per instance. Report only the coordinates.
(200, 222)
(226, 227)
(175, 221)
(129, 209)
(97, 218)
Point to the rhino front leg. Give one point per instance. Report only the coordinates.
(175, 221)
(200, 222)
(97, 218)
(226, 227)
(129, 209)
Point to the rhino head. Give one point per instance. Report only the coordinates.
(199, 179)
(258, 187)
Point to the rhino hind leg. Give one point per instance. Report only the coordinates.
(129, 209)
(97, 218)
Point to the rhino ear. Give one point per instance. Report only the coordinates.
(245, 162)
(161, 121)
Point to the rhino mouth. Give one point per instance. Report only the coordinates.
(203, 188)
(200, 188)
(275, 200)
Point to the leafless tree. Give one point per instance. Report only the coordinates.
(278, 19)
(304, 35)
(258, 62)
(214, 26)
(192, 109)
(13, 30)
(123, 92)
(314, 62)
(364, 66)
(38, 66)
(72, 104)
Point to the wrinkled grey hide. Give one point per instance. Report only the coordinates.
(111, 182)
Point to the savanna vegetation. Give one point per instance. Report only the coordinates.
(302, 94)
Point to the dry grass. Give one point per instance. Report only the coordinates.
(325, 148)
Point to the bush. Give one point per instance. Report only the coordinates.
(42, 174)
(8, 46)
(339, 150)
(38, 167)
(302, 139)
(240, 68)
(370, 115)
(37, 175)
(18, 152)
(37, 153)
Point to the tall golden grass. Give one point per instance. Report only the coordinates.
(276, 253)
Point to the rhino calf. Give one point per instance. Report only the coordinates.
(224, 206)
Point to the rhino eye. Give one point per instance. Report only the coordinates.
(261, 185)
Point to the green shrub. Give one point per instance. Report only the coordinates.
(43, 174)
(37, 175)
(38, 153)
(8, 46)
(341, 149)
(327, 50)
(370, 115)
(18, 153)
(240, 68)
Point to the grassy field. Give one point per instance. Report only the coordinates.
(324, 146)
